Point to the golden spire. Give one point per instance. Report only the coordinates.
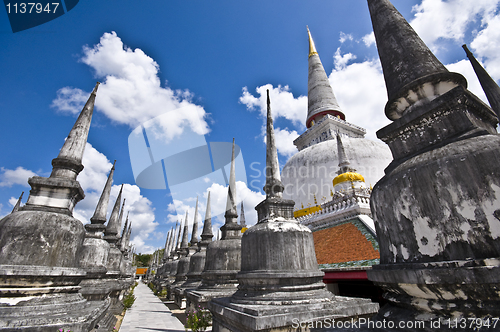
(312, 48)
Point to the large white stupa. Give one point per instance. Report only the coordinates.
(308, 175)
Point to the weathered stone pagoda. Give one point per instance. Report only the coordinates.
(94, 255)
(439, 236)
(179, 297)
(183, 262)
(279, 282)
(223, 257)
(40, 248)
(197, 262)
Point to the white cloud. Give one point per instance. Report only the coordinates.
(70, 100)
(10, 177)
(131, 91)
(13, 201)
(218, 200)
(284, 141)
(283, 103)
(345, 37)
(465, 68)
(369, 39)
(361, 93)
(340, 61)
(93, 178)
(486, 45)
(436, 19)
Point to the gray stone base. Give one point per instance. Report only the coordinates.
(199, 298)
(228, 316)
(52, 312)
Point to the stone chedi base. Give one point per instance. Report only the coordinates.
(280, 284)
(223, 261)
(444, 260)
(437, 209)
(223, 258)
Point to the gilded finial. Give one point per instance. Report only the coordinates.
(312, 48)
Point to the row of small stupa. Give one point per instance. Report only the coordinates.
(436, 210)
(58, 274)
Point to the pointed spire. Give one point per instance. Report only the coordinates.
(173, 245)
(273, 187)
(123, 238)
(18, 203)
(178, 243)
(206, 235)
(408, 64)
(312, 47)
(68, 163)
(320, 97)
(120, 217)
(242, 216)
(129, 233)
(184, 243)
(194, 233)
(344, 163)
(490, 87)
(113, 227)
(231, 213)
(125, 227)
(101, 209)
(167, 242)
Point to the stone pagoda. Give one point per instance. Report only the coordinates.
(179, 297)
(40, 248)
(279, 282)
(440, 235)
(223, 257)
(197, 262)
(183, 262)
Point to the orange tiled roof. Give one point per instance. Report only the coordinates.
(141, 270)
(343, 243)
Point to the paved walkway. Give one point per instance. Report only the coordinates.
(149, 314)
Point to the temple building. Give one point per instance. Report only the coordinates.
(308, 175)
(330, 179)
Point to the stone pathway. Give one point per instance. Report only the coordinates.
(149, 314)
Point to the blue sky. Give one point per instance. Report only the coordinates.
(214, 59)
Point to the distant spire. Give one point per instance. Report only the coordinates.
(125, 227)
(178, 243)
(18, 203)
(173, 245)
(129, 233)
(101, 209)
(273, 187)
(167, 241)
(206, 235)
(344, 163)
(407, 62)
(490, 87)
(113, 224)
(320, 97)
(194, 233)
(231, 229)
(242, 216)
(184, 243)
(68, 163)
(123, 238)
(231, 213)
(120, 217)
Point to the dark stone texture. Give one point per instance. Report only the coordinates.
(40, 238)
